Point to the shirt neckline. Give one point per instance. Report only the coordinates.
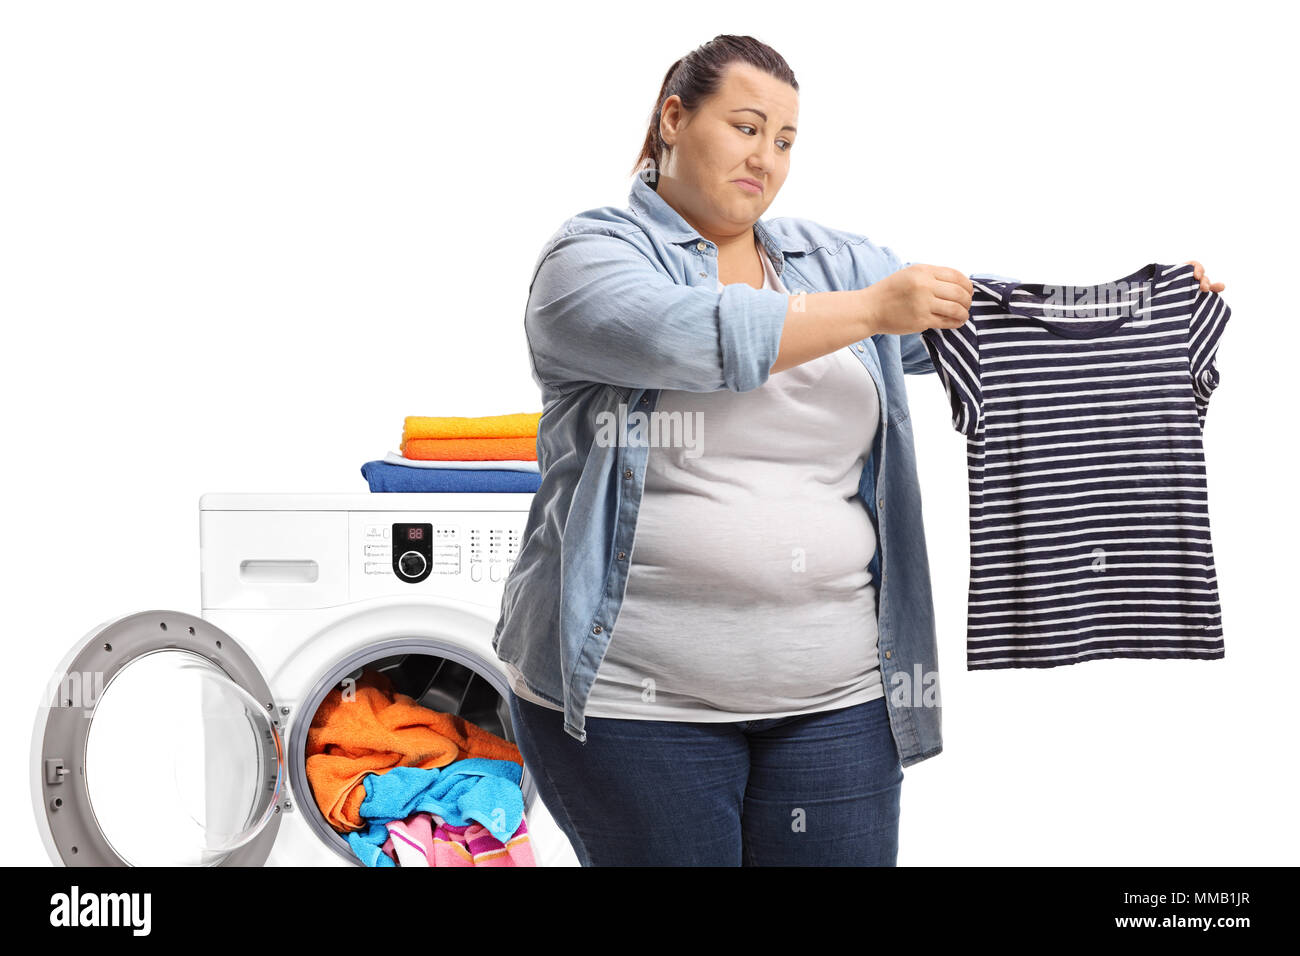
(771, 278)
(1133, 290)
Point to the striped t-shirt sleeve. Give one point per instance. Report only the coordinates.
(1209, 315)
(955, 354)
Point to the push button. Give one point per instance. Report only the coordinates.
(701, 245)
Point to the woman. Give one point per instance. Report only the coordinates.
(745, 686)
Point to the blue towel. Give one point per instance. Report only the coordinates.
(384, 476)
(367, 844)
(466, 791)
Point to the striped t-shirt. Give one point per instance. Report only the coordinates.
(1083, 408)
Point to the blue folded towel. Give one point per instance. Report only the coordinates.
(384, 476)
(472, 790)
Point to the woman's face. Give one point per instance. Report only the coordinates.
(743, 132)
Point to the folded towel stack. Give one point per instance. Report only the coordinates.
(487, 453)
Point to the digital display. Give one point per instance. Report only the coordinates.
(414, 534)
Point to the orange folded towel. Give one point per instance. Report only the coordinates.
(378, 730)
(471, 449)
(519, 425)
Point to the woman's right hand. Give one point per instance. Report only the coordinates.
(919, 297)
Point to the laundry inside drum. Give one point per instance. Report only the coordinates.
(411, 741)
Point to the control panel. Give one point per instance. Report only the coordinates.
(414, 551)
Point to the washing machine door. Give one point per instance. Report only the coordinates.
(157, 743)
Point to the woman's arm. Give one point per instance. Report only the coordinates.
(597, 312)
(818, 323)
(903, 303)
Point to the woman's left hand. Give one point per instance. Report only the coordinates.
(1199, 272)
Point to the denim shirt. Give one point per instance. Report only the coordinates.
(624, 303)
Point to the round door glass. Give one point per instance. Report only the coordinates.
(182, 764)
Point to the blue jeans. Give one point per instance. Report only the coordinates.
(810, 789)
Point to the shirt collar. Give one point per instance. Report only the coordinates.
(650, 207)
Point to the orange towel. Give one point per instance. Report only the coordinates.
(378, 730)
(471, 449)
(519, 425)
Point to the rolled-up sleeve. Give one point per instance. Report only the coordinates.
(599, 311)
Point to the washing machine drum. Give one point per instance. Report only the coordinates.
(158, 744)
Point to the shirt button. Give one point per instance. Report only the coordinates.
(597, 629)
(622, 555)
(880, 502)
(861, 347)
(704, 275)
(701, 245)
(889, 655)
(645, 401)
(627, 472)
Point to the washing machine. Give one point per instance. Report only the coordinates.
(167, 739)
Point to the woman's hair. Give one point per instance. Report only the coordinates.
(697, 76)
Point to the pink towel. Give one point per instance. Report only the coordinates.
(425, 839)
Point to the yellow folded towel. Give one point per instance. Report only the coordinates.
(520, 425)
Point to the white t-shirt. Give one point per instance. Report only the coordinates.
(748, 594)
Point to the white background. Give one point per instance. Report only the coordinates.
(241, 241)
